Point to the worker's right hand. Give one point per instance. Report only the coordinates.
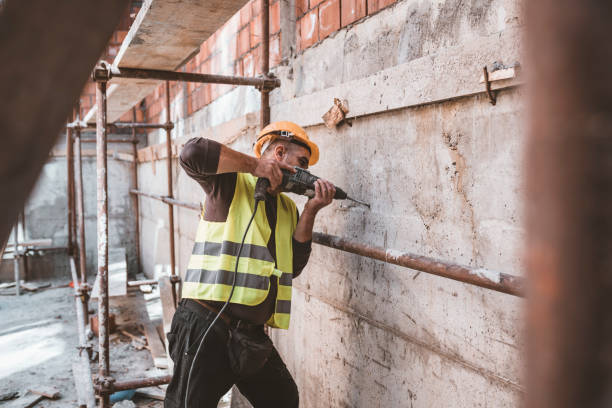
(271, 169)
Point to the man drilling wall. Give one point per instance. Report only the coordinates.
(245, 255)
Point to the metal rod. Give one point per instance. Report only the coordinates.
(140, 383)
(81, 304)
(138, 73)
(135, 203)
(568, 204)
(80, 206)
(169, 179)
(69, 189)
(17, 266)
(265, 62)
(102, 184)
(22, 228)
(167, 200)
(118, 125)
(501, 282)
(131, 141)
(142, 282)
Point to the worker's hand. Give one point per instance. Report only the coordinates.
(271, 169)
(324, 195)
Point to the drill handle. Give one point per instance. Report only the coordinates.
(260, 188)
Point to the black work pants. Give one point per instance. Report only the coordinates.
(212, 376)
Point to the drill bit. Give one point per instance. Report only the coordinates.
(358, 202)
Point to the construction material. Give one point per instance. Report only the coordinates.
(168, 301)
(9, 396)
(336, 114)
(501, 282)
(140, 383)
(152, 393)
(117, 275)
(156, 347)
(83, 382)
(94, 324)
(33, 287)
(31, 243)
(164, 199)
(46, 391)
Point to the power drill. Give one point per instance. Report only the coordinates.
(301, 182)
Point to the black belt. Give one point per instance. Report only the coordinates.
(208, 312)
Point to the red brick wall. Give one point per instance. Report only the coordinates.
(317, 19)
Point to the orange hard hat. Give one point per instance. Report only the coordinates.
(287, 131)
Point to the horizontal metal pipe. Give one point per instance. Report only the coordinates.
(120, 125)
(138, 383)
(167, 200)
(501, 282)
(111, 141)
(498, 281)
(268, 83)
(142, 282)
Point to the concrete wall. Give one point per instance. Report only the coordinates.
(46, 212)
(441, 167)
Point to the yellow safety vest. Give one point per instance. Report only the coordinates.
(213, 260)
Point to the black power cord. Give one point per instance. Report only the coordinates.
(257, 200)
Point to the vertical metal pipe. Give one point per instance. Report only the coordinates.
(169, 171)
(135, 203)
(69, 189)
(80, 207)
(16, 259)
(22, 228)
(102, 184)
(568, 205)
(265, 61)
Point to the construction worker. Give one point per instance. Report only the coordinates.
(276, 249)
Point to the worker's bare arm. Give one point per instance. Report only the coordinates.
(324, 195)
(231, 161)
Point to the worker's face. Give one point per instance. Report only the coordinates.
(293, 155)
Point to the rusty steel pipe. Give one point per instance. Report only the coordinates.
(132, 141)
(265, 62)
(138, 73)
(138, 383)
(169, 179)
(135, 203)
(102, 188)
(70, 190)
(80, 208)
(500, 282)
(167, 200)
(119, 125)
(569, 204)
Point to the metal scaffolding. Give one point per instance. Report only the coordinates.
(105, 384)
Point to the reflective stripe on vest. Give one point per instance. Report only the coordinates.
(211, 267)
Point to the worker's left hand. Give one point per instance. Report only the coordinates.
(324, 195)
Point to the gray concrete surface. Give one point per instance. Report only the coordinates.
(38, 339)
(46, 213)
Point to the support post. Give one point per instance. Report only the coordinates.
(568, 204)
(70, 190)
(265, 62)
(169, 171)
(102, 198)
(80, 210)
(135, 203)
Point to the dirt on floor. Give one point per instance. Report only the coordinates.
(38, 344)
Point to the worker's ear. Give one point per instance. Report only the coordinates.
(279, 151)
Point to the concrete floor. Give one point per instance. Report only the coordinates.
(38, 340)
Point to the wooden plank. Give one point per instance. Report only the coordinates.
(117, 275)
(156, 41)
(46, 391)
(152, 392)
(83, 383)
(158, 351)
(168, 308)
